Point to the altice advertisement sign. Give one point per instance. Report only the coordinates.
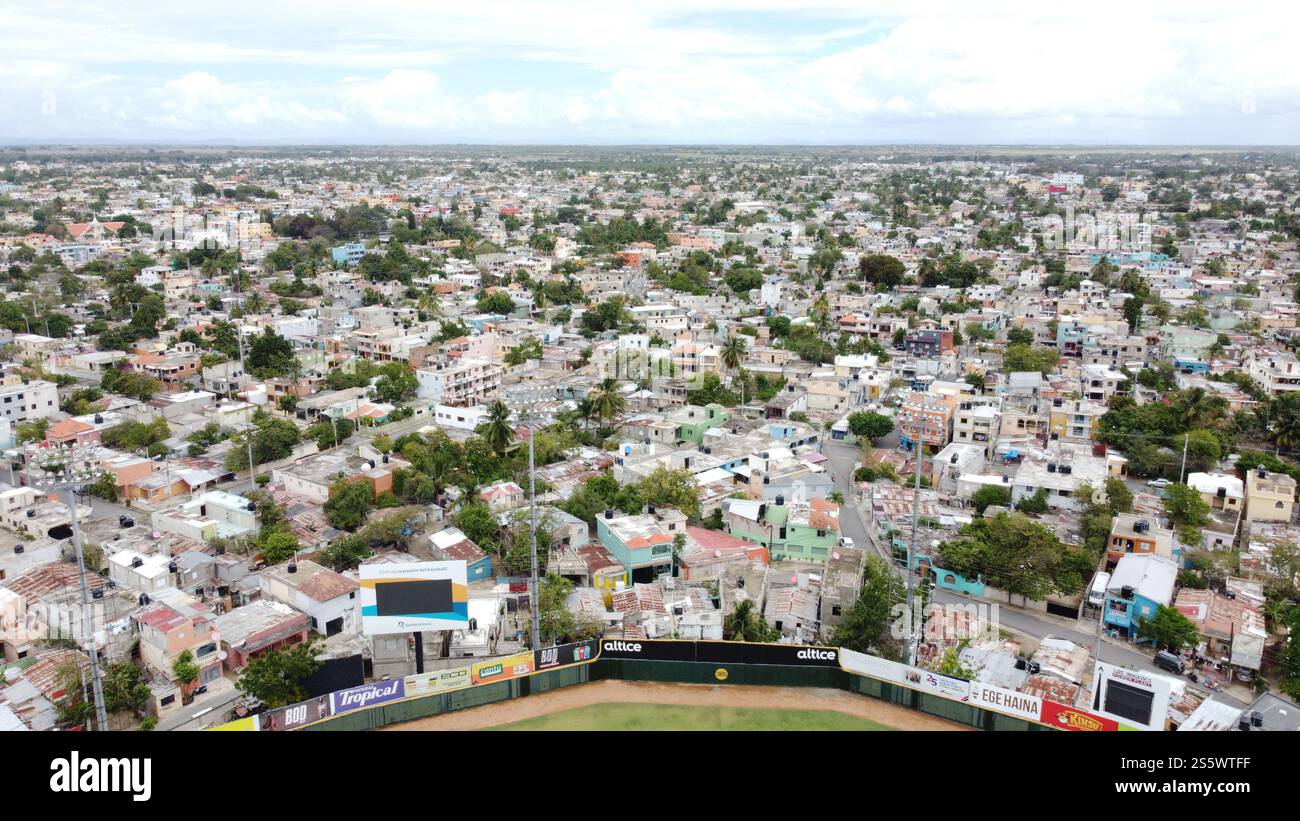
(409, 597)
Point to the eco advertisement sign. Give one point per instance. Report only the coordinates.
(439, 681)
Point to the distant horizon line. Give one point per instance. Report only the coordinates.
(12, 143)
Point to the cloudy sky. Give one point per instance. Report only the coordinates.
(652, 71)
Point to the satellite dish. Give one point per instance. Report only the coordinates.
(794, 579)
(222, 655)
(717, 554)
(835, 556)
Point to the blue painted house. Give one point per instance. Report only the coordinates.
(1141, 583)
(452, 545)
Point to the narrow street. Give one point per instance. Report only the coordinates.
(1038, 625)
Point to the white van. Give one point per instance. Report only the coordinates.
(1097, 593)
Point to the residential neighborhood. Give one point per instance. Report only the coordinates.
(767, 395)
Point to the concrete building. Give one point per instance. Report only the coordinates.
(1270, 497)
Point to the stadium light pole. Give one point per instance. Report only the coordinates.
(66, 468)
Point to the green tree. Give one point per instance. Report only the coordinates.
(990, 495)
(1034, 504)
(496, 429)
(477, 521)
(607, 399)
(184, 670)
(271, 355)
(868, 625)
(1169, 629)
(745, 623)
(349, 502)
(666, 487)
(276, 678)
(871, 426)
(1186, 510)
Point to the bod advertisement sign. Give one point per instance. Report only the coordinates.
(295, 715)
(1072, 718)
(439, 681)
(358, 698)
(564, 654)
(1000, 700)
(720, 652)
(520, 664)
(409, 597)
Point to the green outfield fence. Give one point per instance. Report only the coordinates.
(681, 662)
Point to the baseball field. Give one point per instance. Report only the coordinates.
(643, 705)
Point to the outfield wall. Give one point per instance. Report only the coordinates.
(490, 681)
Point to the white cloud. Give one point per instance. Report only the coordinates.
(694, 70)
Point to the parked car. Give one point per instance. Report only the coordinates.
(1161, 482)
(1168, 661)
(845, 541)
(125, 522)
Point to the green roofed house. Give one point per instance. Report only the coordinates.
(805, 530)
(693, 420)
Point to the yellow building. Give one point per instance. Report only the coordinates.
(1270, 497)
(1075, 420)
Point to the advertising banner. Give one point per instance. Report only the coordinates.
(1009, 702)
(295, 715)
(564, 654)
(957, 689)
(369, 695)
(1072, 718)
(647, 650)
(439, 681)
(408, 597)
(790, 655)
(238, 725)
(520, 664)
(721, 652)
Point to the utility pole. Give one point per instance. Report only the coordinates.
(532, 532)
(1182, 470)
(239, 335)
(912, 546)
(87, 615)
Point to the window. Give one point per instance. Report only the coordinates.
(166, 700)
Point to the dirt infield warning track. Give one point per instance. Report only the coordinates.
(701, 695)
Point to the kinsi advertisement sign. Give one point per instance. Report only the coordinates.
(369, 695)
(520, 664)
(999, 700)
(439, 681)
(1072, 718)
(409, 597)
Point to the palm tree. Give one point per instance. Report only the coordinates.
(496, 430)
(607, 400)
(586, 411)
(430, 302)
(733, 356)
(745, 624)
(836, 497)
(1197, 408)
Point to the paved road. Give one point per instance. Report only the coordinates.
(841, 459)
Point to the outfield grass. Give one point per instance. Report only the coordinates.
(623, 716)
